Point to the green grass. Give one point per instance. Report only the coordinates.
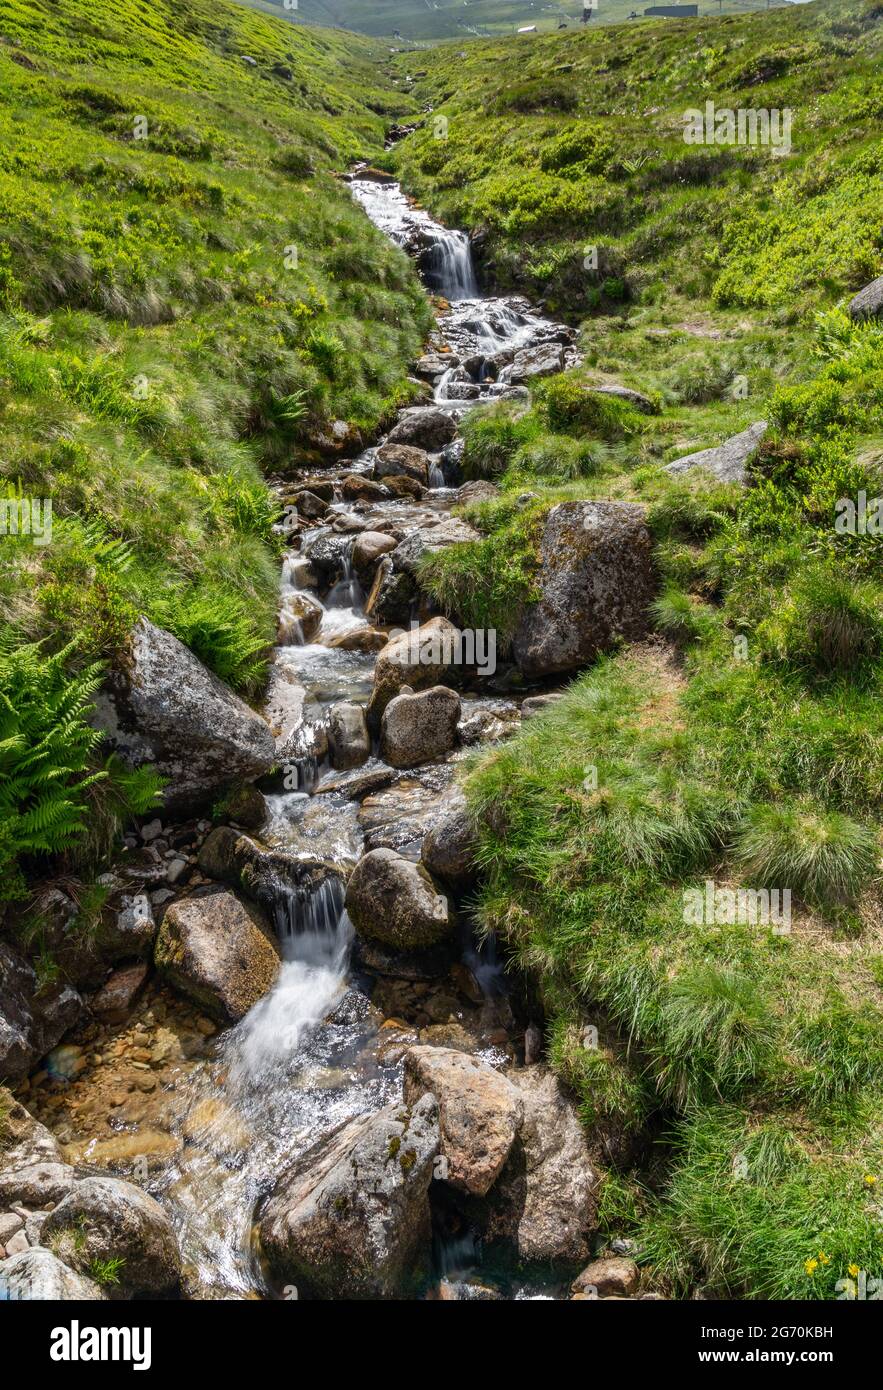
(187, 298)
(575, 141)
(749, 755)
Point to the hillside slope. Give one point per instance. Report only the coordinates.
(427, 21)
(187, 298)
(578, 140)
(736, 1077)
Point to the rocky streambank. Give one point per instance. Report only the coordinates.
(280, 1058)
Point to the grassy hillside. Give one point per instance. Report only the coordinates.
(428, 21)
(739, 1076)
(162, 343)
(578, 141)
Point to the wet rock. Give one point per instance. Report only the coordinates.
(417, 728)
(348, 737)
(106, 1218)
(31, 1022)
(38, 1275)
(391, 596)
(284, 707)
(728, 462)
(246, 806)
(427, 427)
(428, 540)
(402, 461)
(217, 951)
(449, 847)
(603, 1278)
(162, 706)
(417, 658)
(544, 360)
(394, 901)
(309, 505)
(357, 488)
(546, 1199)
(416, 966)
(327, 554)
(462, 391)
(350, 1219)
(367, 550)
(596, 580)
(868, 303)
(117, 997)
(479, 1113)
(357, 784)
(434, 364)
(361, 639)
(264, 875)
(403, 487)
(300, 619)
(124, 1151)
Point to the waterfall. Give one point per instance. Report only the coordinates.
(447, 265)
(316, 936)
(347, 592)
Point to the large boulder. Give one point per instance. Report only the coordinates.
(417, 658)
(162, 706)
(350, 1219)
(218, 951)
(31, 1021)
(868, 303)
(367, 550)
(394, 901)
(402, 461)
(273, 878)
(428, 540)
(419, 727)
(427, 427)
(479, 1113)
(348, 739)
(450, 845)
(392, 595)
(40, 1276)
(596, 579)
(545, 1201)
(104, 1219)
(727, 462)
(35, 1184)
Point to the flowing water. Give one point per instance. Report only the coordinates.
(309, 1056)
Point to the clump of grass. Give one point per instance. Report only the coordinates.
(675, 614)
(824, 856)
(828, 624)
(568, 407)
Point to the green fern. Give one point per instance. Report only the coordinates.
(50, 786)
